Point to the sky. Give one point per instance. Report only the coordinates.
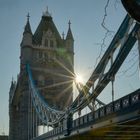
(86, 17)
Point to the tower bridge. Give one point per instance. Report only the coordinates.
(43, 93)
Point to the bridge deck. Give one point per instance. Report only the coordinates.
(117, 120)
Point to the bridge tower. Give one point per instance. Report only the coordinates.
(51, 58)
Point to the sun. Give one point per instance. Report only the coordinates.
(79, 79)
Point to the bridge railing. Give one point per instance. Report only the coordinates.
(119, 106)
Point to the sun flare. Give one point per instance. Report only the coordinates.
(79, 79)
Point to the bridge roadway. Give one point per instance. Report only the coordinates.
(117, 120)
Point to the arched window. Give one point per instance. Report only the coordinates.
(46, 56)
(46, 43)
(51, 43)
(40, 55)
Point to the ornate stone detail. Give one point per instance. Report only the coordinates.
(117, 106)
(135, 98)
(125, 102)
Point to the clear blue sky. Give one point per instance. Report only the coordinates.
(86, 17)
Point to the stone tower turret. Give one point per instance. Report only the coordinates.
(69, 39)
(51, 62)
(26, 43)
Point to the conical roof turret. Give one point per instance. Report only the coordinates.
(27, 28)
(27, 34)
(69, 33)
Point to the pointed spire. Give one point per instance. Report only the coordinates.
(69, 34)
(27, 28)
(12, 84)
(28, 16)
(47, 13)
(12, 80)
(63, 35)
(69, 23)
